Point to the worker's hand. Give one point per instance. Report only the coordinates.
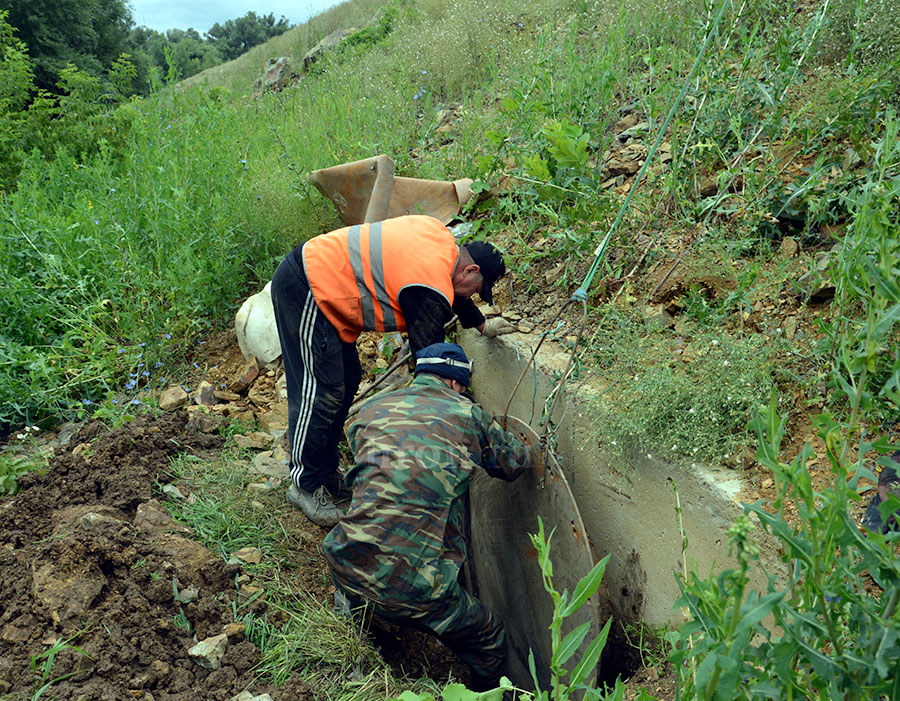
(497, 326)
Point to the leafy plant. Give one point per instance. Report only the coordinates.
(113, 411)
(459, 692)
(831, 635)
(42, 665)
(180, 619)
(865, 361)
(575, 682)
(566, 682)
(18, 460)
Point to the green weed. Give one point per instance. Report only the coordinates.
(42, 665)
(865, 365)
(20, 459)
(831, 635)
(695, 405)
(565, 682)
(233, 427)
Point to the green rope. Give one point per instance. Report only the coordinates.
(581, 293)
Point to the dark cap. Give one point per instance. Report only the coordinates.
(445, 359)
(491, 265)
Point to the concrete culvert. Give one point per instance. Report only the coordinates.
(507, 575)
(628, 513)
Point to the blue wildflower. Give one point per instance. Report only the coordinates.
(86, 402)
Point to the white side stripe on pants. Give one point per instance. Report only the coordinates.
(309, 386)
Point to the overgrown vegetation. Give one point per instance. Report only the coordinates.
(674, 400)
(91, 36)
(131, 226)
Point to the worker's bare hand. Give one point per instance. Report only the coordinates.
(497, 327)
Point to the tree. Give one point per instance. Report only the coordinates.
(16, 88)
(190, 53)
(89, 34)
(239, 35)
(147, 49)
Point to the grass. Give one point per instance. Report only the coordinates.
(681, 402)
(118, 258)
(220, 516)
(131, 235)
(326, 651)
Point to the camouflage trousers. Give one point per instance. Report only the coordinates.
(471, 630)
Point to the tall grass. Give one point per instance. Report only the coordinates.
(116, 253)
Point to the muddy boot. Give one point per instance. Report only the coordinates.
(317, 506)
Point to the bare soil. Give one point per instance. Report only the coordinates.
(80, 565)
(90, 561)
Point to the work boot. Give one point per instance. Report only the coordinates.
(317, 506)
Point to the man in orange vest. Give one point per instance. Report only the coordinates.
(401, 274)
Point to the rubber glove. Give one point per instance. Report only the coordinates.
(497, 326)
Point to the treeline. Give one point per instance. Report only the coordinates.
(91, 35)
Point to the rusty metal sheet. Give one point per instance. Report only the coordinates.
(368, 190)
(506, 572)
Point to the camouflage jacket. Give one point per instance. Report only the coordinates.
(401, 540)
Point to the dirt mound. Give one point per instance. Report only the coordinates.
(89, 559)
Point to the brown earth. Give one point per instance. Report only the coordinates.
(88, 560)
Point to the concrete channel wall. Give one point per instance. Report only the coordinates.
(629, 512)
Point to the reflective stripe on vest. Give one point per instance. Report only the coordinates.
(357, 273)
(377, 265)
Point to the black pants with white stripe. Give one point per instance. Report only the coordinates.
(322, 374)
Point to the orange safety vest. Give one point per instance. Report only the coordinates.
(356, 273)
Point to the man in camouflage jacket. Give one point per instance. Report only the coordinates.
(400, 546)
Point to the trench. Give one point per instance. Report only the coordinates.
(628, 513)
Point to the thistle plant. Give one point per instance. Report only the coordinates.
(824, 633)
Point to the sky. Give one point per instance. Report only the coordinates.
(203, 14)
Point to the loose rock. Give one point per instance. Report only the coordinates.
(172, 399)
(209, 652)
